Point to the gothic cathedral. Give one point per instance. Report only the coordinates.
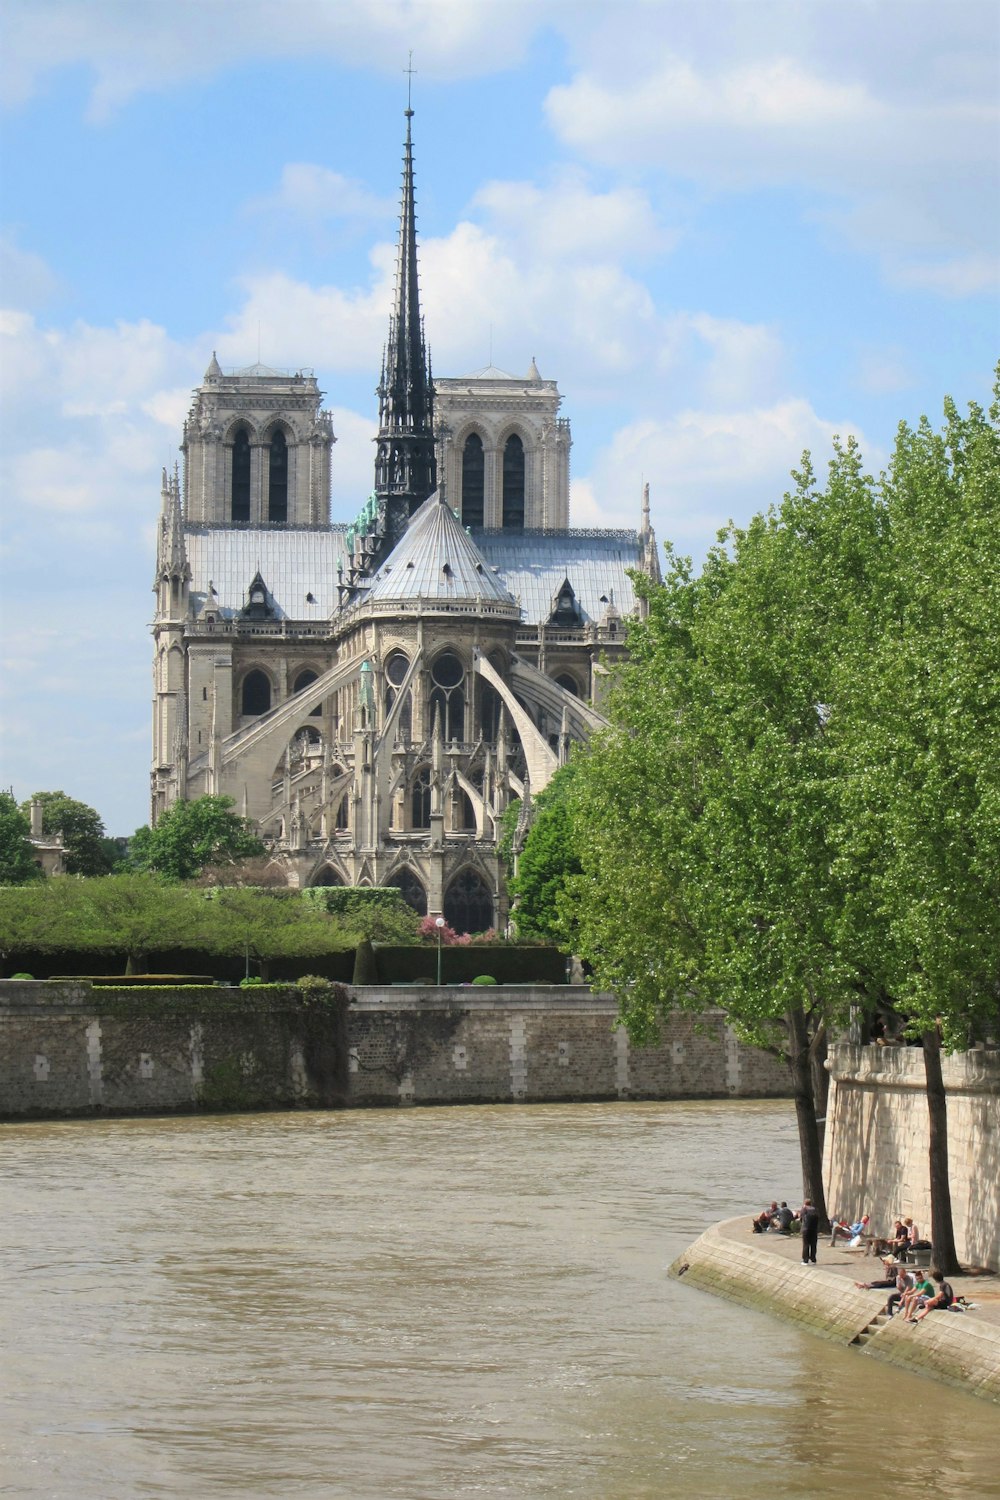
(373, 695)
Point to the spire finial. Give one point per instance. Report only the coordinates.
(409, 70)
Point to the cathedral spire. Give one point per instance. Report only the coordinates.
(171, 553)
(405, 470)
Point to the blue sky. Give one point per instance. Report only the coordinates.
(729, 228)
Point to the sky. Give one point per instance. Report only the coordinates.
(729, 229)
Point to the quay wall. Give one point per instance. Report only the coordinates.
(67, 1048)
(875, 1154)
(956, 1348)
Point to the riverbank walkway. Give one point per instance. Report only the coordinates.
(766, 1271)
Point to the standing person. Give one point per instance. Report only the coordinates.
(809, 1219)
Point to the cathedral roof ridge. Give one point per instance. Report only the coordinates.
(436, 559)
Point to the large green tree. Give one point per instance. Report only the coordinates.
(545, 865)
(88, 849)
(797, 810)
(17, 858)
(919, 736)
(191, 835)
(704, 817)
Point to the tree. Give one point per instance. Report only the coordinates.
(704, 817)
(88, 850)
(547, 863)
(796, 811)
(17, 858)
(261, 925)
(191, 835)
(921, 758)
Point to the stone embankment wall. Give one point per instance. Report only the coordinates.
(876, 1142)
(70, 1049)
(950, 1347)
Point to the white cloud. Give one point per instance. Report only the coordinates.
(132, 48)
(567, 220)
(309, 193)
(964, 276)
(707, 467)
(24, 276)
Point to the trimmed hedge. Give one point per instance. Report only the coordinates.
(125, 981)
(508, 963)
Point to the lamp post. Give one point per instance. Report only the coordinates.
(439, 924)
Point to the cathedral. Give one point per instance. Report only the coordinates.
(374, 693)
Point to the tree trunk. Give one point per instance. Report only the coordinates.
(820, 1080)
(942, 1234)
(800, 1066)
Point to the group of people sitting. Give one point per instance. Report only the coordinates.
(779, 1217)
(915, 1294)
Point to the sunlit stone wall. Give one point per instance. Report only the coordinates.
(71, 1049)
(876, 1142)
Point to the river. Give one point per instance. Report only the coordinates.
(425, 1304)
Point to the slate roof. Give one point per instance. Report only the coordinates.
(294, 563)
(436, 560)
(534, 564)
(528, 566)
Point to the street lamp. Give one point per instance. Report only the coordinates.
(439, 924)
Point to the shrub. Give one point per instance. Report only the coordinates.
(484, 979)
(22, 976)
(250, 981)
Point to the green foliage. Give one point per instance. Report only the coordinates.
(547, 865)
(268, 924)
(191, 835)
(484, 979)
(250, 981)
(88, 849)
(22, 976)
(376, 912)
(17, 858)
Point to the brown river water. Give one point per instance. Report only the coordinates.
(425, 1304)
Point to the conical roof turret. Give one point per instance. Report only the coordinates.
(437, 561)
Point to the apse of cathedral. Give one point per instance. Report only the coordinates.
(374, 693)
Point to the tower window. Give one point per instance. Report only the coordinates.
(256, 697)
(241, 476)
(513, 484)
(277, 479)
(473, 480)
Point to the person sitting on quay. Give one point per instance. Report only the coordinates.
(850, 1231)
(887, 1244)
(764, 1220)
(943, 1297)
(922, 1289)
(783, 1219)
(902, 1282)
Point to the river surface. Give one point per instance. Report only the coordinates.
(425, 1304)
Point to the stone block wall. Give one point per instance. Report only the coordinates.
(66, 1048)
(431, 1046)
(876, 1142)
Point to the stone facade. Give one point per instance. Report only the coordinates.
(876, 1142)
(70, 1049)
(373, 694)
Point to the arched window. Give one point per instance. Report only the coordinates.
(342, 814)
(303, 681)
(241, 476)
(473, 480)
(464, 814)
(513, 484)
(468, 903)
(256, 695)
(447, 696)
(570, 684)
(327, 876)
(411, 890)
(420, 800)
(490, 708)
(277, 479)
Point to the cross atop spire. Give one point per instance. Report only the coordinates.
(405, 470)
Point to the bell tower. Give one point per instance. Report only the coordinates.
(257, 449)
